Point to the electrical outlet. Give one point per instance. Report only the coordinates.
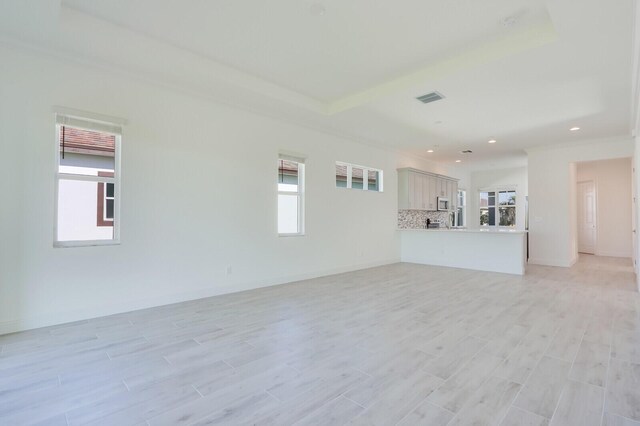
(229, 270)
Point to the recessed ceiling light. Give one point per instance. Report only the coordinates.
(509, 21)
(492, 141)
(574, 129)
(458, 161)
(317, 9)
(429, 150)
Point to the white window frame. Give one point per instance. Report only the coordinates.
(99, 123)
(365, 172)
(300, 193)
(462, 206)
(104, 205)
(497, 190)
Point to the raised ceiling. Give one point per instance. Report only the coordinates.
(519, 71)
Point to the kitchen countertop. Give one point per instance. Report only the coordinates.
(467, 230)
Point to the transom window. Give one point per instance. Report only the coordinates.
(358, 177)
(498, 208)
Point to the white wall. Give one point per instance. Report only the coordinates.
(552, 236)
(198, 195)
(612, 179)
(487, 179)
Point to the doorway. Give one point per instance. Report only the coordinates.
(587, 226)
(602, 205)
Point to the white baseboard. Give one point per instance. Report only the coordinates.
(614, 254)
(28, 323)
(551, 262)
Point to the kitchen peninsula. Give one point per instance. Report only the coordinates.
(495, 250)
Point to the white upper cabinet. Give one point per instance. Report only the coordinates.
(453, 194)
(418, 190)
(414, 194)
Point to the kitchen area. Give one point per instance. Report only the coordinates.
(433, 231)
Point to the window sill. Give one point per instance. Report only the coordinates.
(360, 189)
(91, 243)
(291, 235)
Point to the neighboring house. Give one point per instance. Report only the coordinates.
(86, 209)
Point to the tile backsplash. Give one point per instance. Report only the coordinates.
(413, 219)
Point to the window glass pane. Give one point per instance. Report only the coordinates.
(488, 216)
(460, 217)
(79, 212)
(85, 152)
(288, 214)
(492, 198)
(484, 199)
(287, 176)
(356, 178)
(110, 190)
(484, 217)
(341, 176)
(108, 214)
(507, 198)
(507, 216)
(373, 180)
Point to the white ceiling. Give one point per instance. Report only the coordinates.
(356, 69)
(354, 45)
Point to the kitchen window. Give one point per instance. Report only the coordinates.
(358, 177)
(87, 179)
(461, 211)
(498, 208)
(290, 196)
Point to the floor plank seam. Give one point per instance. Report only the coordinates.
(524, 384)
(196, 389)
(606, 385)
(349, 399)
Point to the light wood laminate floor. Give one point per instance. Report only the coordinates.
(400, 344)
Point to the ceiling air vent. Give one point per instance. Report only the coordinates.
(430, 97)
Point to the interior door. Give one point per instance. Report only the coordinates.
(587, 229)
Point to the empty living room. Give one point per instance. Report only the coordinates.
(319, 212)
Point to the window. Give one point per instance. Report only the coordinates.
(461, 211)
(498, 208)
(290, 196)
(358, 177)
(87, 181)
